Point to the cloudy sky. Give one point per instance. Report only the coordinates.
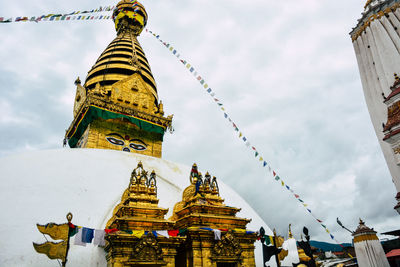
(285, 71)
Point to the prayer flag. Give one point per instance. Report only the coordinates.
(173, 232)
(78, 238)
(99, 238)
(87, 235)
(240, 135)
(244, 139)
(182, 232)
(199, 78)
(309, 210)
(323, 225)
(1, 19)
(154, 233)
(163, 233)
(188, 65)
(202, 82)
(256, 154)
(216, 100)
(287, 187)
(301, 200)
(223, 109)
(261, 159)
(220, 104)
(174, 52)
(296, 196)
(171, 48)
(274, 173)
(253, 148)
(265, 163)
(213, 94)
(217, 234)
(205, 86)
(209, 90)
(282, 183)
(191, 69)
(318, 220)
(277, 178)
(332, 236)
(327, 230)
(138, 233)
(305, 205)
(225, 115)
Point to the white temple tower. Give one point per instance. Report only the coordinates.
(368, 248)
(376, 40)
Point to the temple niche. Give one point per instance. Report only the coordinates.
(202, 231)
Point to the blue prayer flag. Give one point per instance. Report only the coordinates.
(87, 235)
(265, 163)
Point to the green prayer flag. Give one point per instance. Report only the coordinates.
(277, 178)
(256, 154)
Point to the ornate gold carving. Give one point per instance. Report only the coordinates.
(228, 246)
(147, 249)
(396, 150)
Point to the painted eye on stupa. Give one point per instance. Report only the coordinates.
(115, 139)
(137, 144)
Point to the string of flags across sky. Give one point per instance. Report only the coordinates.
(76, 15)
(89, 15)
(241, 136)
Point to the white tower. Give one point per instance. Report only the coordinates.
(376, 40)
(369, 250)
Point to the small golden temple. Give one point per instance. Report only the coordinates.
(118, 108)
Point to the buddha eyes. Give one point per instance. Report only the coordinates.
(115, 141)
(137, 144)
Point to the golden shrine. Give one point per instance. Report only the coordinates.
(210, 233)
(118, 108)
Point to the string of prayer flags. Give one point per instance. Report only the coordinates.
(202, 81)
(58, 17)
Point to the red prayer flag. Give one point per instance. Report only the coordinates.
(110, 231)
(173, 232)
(223, 230)
(274, 173)
(254, 148)
(319, 221)
(297, 196)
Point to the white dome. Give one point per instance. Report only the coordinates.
(43, 186)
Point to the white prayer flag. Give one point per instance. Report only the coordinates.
(78, 238)
(99, 238)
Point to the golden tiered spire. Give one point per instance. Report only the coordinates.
(118, 106)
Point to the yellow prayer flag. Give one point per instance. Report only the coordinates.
(243, 231)
(138, 233)
(261, 159)
(283, 184)
(223, 109)
(327, 231)
(205, 86)
(240, 135)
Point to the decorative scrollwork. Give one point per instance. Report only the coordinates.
(147, 249)
(228, 246)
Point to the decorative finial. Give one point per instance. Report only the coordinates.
(290, 231)
(396, 77)
(77, 81)
(362, 222)
(69, 217)
(140, 164)
(129, 16)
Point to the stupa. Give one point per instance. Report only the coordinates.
(118, 126)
